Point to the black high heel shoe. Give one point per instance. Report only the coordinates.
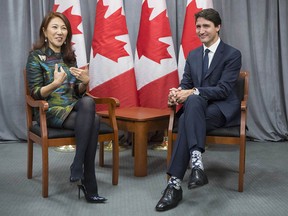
(90, 198)
(75, 178)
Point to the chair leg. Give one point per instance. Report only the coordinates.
(101, 154)
(45, 170)
(30, 158)
(241, 165)
(133, 143)
(115, 171)
(244, 155)
(170, 148)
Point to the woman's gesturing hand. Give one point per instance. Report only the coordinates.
(81, 74)
(59, 76)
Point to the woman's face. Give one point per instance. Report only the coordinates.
(56, 34)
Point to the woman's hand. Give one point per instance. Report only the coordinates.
(81, 74)
(59, 77)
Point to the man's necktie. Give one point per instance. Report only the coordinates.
(205, 63)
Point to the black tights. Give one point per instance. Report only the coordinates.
(85, 123)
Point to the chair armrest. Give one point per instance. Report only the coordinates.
(105, 100)
(170, 132)
(43, 106)
(37, 103)
(112, 104)
(243, 105)
(243, 119)
(172, 117)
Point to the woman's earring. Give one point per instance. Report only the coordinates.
(64, 42)
(45, 40)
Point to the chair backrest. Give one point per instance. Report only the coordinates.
(242, 85)
(26, 86)
(29, 110)
(30, 115)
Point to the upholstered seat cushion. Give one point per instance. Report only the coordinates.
(228, 131)
(61, 133)
(225, 131)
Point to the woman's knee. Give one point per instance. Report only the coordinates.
(88, 100)
(96, 122)
(87, 103)
(97, 119)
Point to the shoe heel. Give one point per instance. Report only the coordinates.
(79, 190)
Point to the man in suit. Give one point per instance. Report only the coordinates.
(209, 101)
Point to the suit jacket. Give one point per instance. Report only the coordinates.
(218, 85)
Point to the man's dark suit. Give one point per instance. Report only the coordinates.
(216, 106)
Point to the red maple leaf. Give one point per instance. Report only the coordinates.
(105, 32)
(55, 7)
(150, 31)
(74, 20)
(190, 39)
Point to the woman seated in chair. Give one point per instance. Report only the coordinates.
(53, 76)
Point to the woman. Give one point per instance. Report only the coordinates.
(53, 76)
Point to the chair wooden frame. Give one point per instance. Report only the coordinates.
(218, 138)
(46, 141)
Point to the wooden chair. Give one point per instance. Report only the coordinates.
(230, 135)
(54, 137)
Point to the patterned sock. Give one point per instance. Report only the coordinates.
(196, 160)
(175, 182)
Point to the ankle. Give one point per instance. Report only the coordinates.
(196, 160)
(175, 182)
(76, 173)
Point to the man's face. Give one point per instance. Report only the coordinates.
(206, 31)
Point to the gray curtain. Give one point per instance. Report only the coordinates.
(257, 28)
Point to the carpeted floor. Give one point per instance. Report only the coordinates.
(265, 189)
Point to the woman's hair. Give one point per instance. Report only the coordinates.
(69, 56)
(209, 14)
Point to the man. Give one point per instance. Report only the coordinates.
(209, 101)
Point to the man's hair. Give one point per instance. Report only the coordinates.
(209, 14)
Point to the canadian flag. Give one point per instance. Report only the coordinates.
(111, 62)
(155, 60)
(190, 39)
(71, 9)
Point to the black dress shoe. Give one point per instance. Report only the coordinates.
(170, 199)
(197, 178)
(90, 198)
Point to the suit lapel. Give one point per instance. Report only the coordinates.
(199, 63)
(216, 59)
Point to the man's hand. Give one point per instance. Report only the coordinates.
(172, 96)
(183, 95)
(178, 96)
